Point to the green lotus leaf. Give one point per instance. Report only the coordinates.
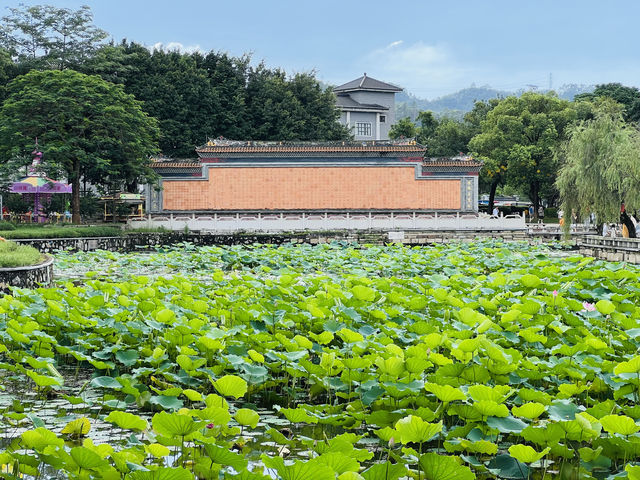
(413, 429)
(231, 386)
(350, 336)
(489, 408)
(350, 476)
(86, 459)
(173, 424)
(157, 450)
(127, 420)
(530, 281)
(165, 316)
(40, 438)
(526, 454)
(505, 466)
(498, 394)
(444, 467)
(633, 471)
(506, 424)
(164, 473)
(78, 427)
(224, 456)
(323, 338)
(605, 307)
(298, 470)
(192, 395)
(630, 366)
(298, 415)
(479, 446)
(246, 416)
(619, 424)
(168, 402)
(392, 366)
(445, 393)
(562, 410)
(127, 357)
(106, 382)
(44, 380)
(529, 410)
(548, 434)
(363, 293)
(386, 471)
(338, 462)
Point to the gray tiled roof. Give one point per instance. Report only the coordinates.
(347, 103)
(367, 83)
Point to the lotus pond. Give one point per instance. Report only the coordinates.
(484, 360)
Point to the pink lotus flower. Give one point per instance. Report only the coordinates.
(210, 425)
(555, 293)
(589, 307)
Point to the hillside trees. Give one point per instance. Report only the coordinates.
(628, 97)
(87, 128)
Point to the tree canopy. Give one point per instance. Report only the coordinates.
(628, 97)
(517, 141)
(601, 166)
(87, 128)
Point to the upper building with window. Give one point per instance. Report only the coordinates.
(367, 107)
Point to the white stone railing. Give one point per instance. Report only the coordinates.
(328, 221)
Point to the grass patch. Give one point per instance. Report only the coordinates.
(14, 255)
(62, 232)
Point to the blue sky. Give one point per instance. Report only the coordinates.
(430, 48)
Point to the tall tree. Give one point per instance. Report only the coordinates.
(48, 37)
(87, 128)
(404, 128)
(517, 142)
(601, 166)
(628, 97)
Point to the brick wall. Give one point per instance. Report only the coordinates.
(282, 188)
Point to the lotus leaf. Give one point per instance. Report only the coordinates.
(127, 420)
(165, 473)
(445, 393)
(231, 386)
(173, 424)
(246, 416)
(526, 454)
(78, 427)
(529, 410)
(619, 424)
(443, 467)
(413, 429)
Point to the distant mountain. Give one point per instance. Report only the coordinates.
(457, 104)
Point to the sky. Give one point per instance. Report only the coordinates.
(430, 48)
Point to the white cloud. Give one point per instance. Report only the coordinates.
(175, 46)
(421, 69)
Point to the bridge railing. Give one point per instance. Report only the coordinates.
(328, 221)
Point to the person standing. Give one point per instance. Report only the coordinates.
(540, 214)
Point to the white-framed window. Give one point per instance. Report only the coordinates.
(383, 118)
(363, 129)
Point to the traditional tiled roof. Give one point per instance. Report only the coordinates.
(452, 162)
(367, 83)
(345, 102)
(225, 147)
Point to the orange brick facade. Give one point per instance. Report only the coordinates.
(307, 188)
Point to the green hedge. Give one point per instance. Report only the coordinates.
(6, 226)
(62, 232)
(14, 255)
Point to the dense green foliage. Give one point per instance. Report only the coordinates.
(51, 231)
(88, 128)
(601, 166)
(628, 97)
(464, 361)
(517, 142)
(14, 255)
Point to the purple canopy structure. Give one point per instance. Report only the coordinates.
(38, 185)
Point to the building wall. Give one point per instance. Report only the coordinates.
(366, 117)
(380, 98)
(293, 188)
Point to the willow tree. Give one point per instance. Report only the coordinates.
(601, 166)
